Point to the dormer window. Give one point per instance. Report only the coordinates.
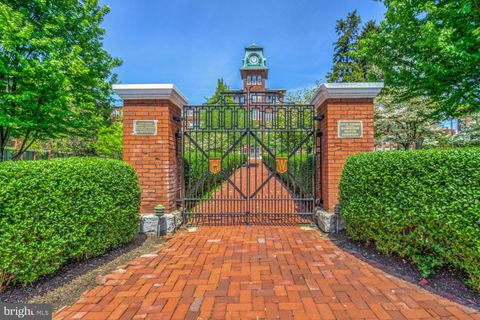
(259, 80)
(254, 80)
(249, 80)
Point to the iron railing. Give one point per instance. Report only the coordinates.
(252, 163)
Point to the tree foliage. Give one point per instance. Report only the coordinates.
(110, 140)
(469, 136)
(422, 205)
(431, 48)
(302, 96)
(407, 124)
(55, 75)
(348, 66)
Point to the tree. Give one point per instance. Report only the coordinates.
(408, 125)
(430, 48)
(345, 68)
(369, 71)
(469, 135)
(226, 115)
(55, 75)
(302, 96)
(219, 94)
(348, 65)
(110, 140)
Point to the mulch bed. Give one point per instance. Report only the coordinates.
(66, 273)
(447, 282)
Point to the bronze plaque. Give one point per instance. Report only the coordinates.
(282, 164)
(145, 127)
(215, 165)
(350, 129)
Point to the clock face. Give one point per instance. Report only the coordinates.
(253, 59)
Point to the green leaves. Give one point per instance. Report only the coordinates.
(348, 65)
(197, 166)
(422, 205)
(300, 166)
(54, 73)
(430, 48)
(60, 210)
(110, 140)
(408, 124)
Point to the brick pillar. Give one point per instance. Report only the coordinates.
(347, 128)
(150, 125)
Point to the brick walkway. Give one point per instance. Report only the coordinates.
(271, 202)
(256, 273)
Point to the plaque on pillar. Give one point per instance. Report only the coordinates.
(145, 127)
(349, 129)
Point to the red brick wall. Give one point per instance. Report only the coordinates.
(254, 88)
(153, 157)
(336, 150)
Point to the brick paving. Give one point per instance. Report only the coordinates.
(225, 199)
(257, 272)
(271, 201)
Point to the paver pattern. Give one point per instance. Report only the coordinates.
(257, 272)
(270, 200)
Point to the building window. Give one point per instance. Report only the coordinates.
(254, 80)
(254, 99)
(255, 114)
(268, 116)
(259, 79)
(249, 80)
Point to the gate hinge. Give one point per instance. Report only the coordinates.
(177, 118)
(178, 134)
(319, 117)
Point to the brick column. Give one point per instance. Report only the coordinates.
(347, 128)
(150, 125)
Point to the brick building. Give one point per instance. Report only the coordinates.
(254, 73)
(152, 130)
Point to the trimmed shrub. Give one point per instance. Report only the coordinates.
(63, 209)
(197, 165)
(300, 166)
(422, 205)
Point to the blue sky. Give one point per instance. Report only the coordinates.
(192, 43)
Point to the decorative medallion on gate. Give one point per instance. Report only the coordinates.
(254, 177)
(215, 165)
(282, 164)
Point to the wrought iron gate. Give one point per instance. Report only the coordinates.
(249, 163)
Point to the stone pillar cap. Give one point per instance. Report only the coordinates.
(161, 91)
(354, 90)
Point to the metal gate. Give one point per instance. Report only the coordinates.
(249, 163)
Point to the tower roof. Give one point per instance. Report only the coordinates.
(254, 59)
(254, 46)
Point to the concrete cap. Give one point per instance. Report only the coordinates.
(354, 90)
(162, 91)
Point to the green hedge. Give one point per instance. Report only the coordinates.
(197, 165)
(300, 166)
(422, 205)
(60, 210)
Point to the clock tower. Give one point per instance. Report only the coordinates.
(254, 70)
